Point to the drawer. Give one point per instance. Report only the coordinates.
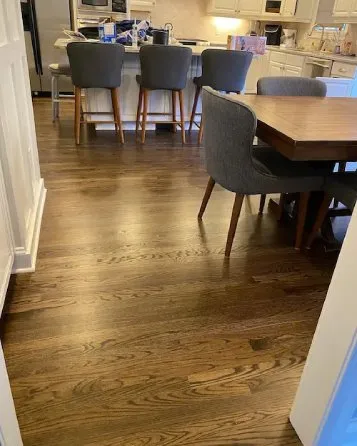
(295, 61)
(343, 70)
(276, 56)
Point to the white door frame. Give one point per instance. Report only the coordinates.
(326, 398)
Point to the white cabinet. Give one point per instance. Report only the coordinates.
(250, 7)
(292, 71)
(338, 88)
(343, 7)
(283, 64)
(142, 5)
(276, 69)
(289, 8)
(223, 7)
(259, 68)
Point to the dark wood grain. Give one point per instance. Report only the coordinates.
(133, 330)
(305, 128)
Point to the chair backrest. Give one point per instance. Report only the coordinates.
(96, 65)
(229, 132)
(291, 86)
(225, 70)
(164, 67)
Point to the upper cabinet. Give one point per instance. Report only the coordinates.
(250, 7)
(268, 10)
(142, 5)
(343, 7)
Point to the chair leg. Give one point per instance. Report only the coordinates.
(303, 203)
(138, 113)
(262, 204)
(200, 133)
(319, 220)
(194, 107)
(116, 110)
(145, 114)
(77, 114)
(341, 169)
(173, 96)
(281, 206)
(57, 96)
(206, 197)
(182, 117)
(53, 97)
(234, 221)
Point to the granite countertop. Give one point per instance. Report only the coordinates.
(61, 43)
(318, 54)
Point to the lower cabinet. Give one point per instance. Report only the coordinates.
(338, 88)
(283, 64)
(259, 68)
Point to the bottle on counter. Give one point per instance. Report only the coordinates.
(135, 35)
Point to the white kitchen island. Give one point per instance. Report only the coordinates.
(98, 100)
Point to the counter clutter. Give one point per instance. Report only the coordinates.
(277, 61)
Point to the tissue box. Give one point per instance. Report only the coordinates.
(108, 32)
(253, 44)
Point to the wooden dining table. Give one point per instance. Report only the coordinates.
(306, 128)
(320, 130)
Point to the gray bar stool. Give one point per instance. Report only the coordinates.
(57, 70)
(163, 67)
(222, 70)
(96, 65)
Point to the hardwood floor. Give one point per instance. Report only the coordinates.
(134, 330)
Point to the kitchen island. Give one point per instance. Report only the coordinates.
(99, 100)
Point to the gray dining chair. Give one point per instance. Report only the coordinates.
(340, 186)
(233, 162)
(222, 70)
(288, 86)
(96, 65)
(163, 67)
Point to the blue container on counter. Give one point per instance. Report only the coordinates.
(107, 32)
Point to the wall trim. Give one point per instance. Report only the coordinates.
(25, 259)
(4, 285)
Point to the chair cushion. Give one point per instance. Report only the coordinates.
(343, 187)
(270, 162)
(60, 69)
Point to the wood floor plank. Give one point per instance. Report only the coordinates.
(134, 330)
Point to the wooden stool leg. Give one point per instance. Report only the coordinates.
(234, 221)
(183, 133)
(53, 97)
(194, 107)
(77, 114)
(173, 95)
(138, 113)
(200, 133)
(341, 169)
(319, 220)
(116, 110)
(303, 203)
(206, 197)
(262, 204)
(145, 114)
(281, 206)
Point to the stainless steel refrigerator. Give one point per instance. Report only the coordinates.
(44, 22)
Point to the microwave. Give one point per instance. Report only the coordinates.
(116, 6)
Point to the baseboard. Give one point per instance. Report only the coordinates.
(25, 259)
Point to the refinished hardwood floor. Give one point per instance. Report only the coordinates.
(134, 330)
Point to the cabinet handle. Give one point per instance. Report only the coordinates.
(342, 70)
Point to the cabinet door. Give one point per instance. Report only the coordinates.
(292, 71)
(353, 11)
(289, 8)
(276, 69)
(250, 7)
(343, 7)
(338, 88)
(142, 5)
(223, 7)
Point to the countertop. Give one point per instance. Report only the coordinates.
(61, 43)
(318, 54)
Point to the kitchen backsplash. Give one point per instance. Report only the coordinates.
(190, 20)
